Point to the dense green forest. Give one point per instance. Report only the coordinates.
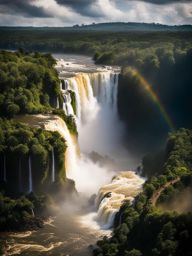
(107, 47)
(170, 82)
(29, 84)
(145, 228)
(162, 58)
(18, 143)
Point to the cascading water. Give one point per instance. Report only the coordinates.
(30, 176)
(57, 124)
(53, 166)
(67, 107)
(57, 104)
(124, 186)
(96, 115)
(79, 223)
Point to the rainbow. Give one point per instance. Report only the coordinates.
(148, 88)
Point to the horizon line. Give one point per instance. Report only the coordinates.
(94, 24)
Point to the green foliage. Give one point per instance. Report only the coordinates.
(73, 101)
(19, 141)
(133, 252)
(28, 83)
(69, 120)
(144, 229)
(142, 50)
(18, 214)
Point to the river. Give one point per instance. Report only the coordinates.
(102, 156)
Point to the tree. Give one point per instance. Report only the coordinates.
(133, 252)
(12, 109)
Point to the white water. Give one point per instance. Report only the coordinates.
(30, 177)
(99, 130)
(124, 186)
(57, 106)
(67, 107)
(96, 122)
(53, 166)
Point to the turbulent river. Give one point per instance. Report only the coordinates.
(96, 160)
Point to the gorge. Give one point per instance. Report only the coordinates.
(90, 96)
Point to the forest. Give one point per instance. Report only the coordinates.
(159, 62)
(162, 58)
(18, 143)
(29, 84)
(145, 228)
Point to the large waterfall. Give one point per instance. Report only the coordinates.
(100, 134)
(99, 130)
(96, 119)
(92, 158)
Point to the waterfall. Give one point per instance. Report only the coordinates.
(67, 107)
(4, 169)
(98, 126)
(92, 89)
(99, 130)
(74, 87)
(53, 166)
(71, 152)
(124, 186)
(57, 104)
(30, 177)
(96, 111)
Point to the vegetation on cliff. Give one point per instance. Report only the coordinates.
(18, 142)
(28, 83)
(21, 208)
(149, 95)
(144, 228)
(23, 213)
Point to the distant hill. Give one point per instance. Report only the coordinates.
(113, 27)
(132, 26)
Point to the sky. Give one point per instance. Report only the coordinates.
(71, 12)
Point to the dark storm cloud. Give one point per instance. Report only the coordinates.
(24, 7)
(70, 12)
(165, 1)
(89, 7)
(84, 7)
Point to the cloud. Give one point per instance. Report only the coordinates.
(88, 8)
(165, 1)
(22, 7)
(70, 12)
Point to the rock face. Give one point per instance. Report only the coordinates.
(145, 124)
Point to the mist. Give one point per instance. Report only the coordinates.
(180, 203)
